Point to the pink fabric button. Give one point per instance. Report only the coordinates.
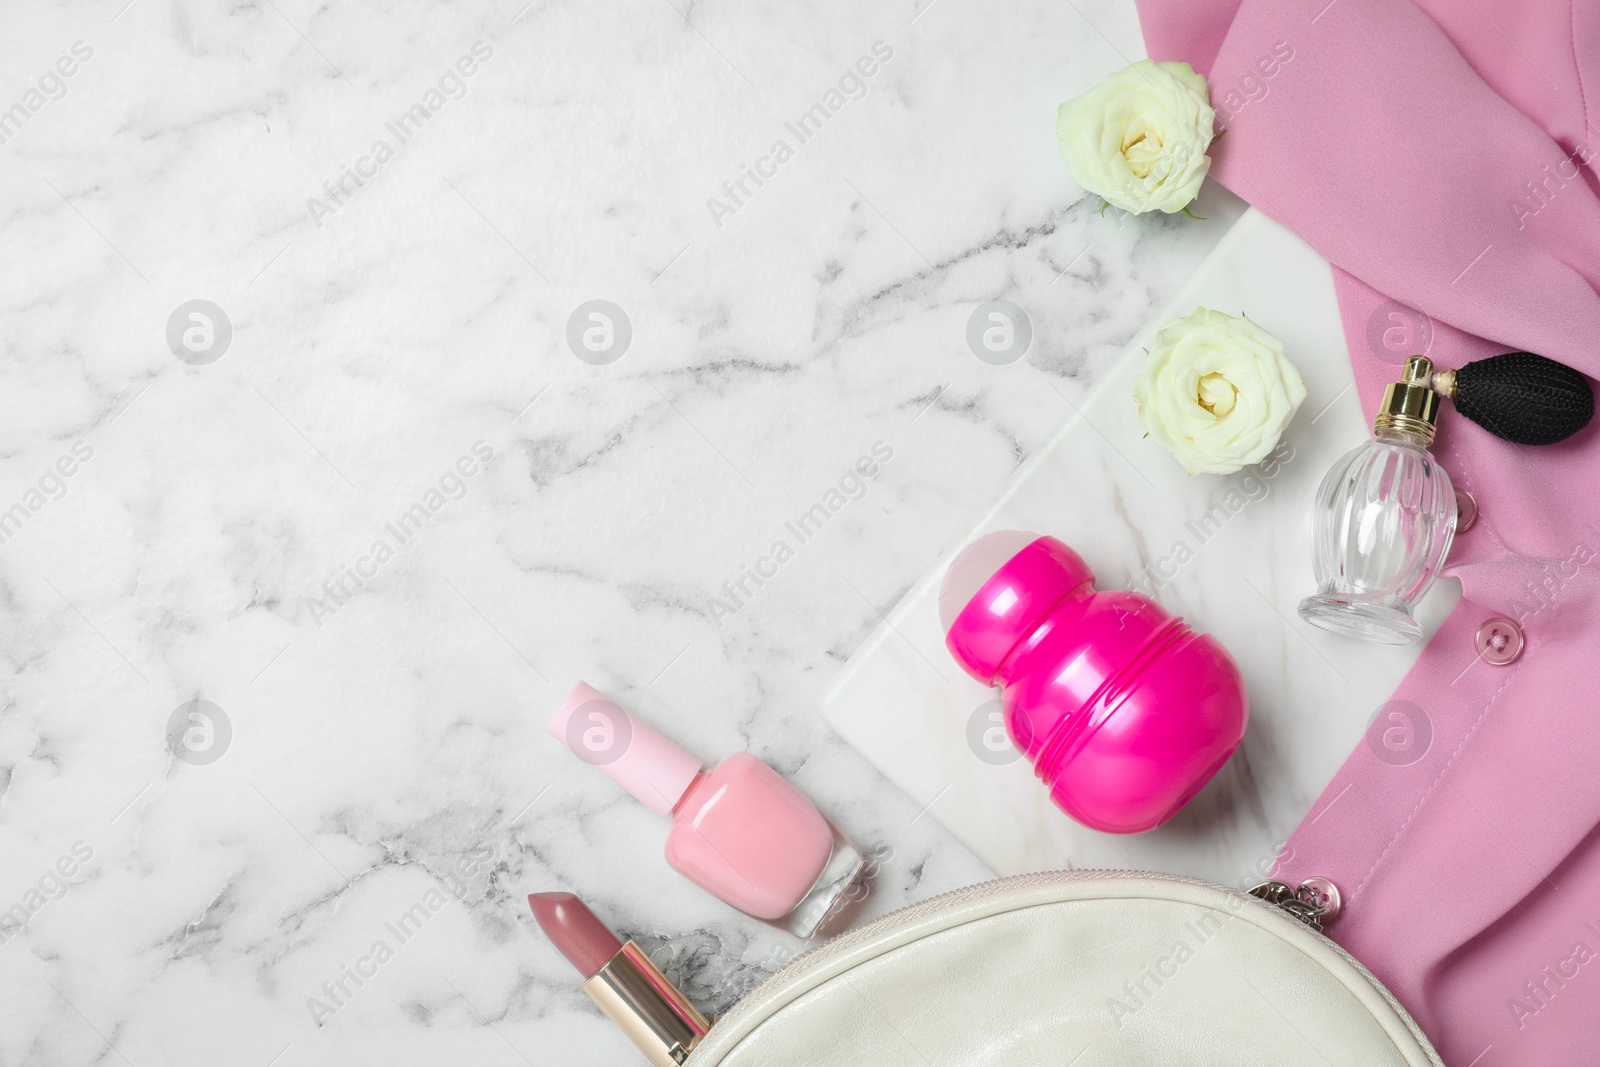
(1466, 511)
(1322, 893)
(1499, 641)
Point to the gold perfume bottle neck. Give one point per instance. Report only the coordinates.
(1410, 407)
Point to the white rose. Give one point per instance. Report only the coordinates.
(1139, 138)
(1217, 391)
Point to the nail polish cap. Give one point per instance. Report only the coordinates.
(607, 737)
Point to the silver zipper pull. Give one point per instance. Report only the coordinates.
(1316, 903)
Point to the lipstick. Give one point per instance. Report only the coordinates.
(620, 978)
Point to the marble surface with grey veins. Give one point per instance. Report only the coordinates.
(310, 511)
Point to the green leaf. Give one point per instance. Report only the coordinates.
(1192, 215)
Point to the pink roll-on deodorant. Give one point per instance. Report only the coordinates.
(1123, 710)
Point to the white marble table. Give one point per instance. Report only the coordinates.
(217, 536)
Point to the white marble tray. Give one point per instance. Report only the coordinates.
(1127, 506)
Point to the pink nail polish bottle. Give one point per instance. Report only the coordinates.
(739, 830)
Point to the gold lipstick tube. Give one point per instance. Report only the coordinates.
(648, 1008)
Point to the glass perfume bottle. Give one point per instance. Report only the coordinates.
(1383, 520)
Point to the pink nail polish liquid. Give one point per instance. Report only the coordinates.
(739, 830)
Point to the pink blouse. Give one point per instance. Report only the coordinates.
(1438, 152)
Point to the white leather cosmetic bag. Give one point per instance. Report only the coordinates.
(1073, 969)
